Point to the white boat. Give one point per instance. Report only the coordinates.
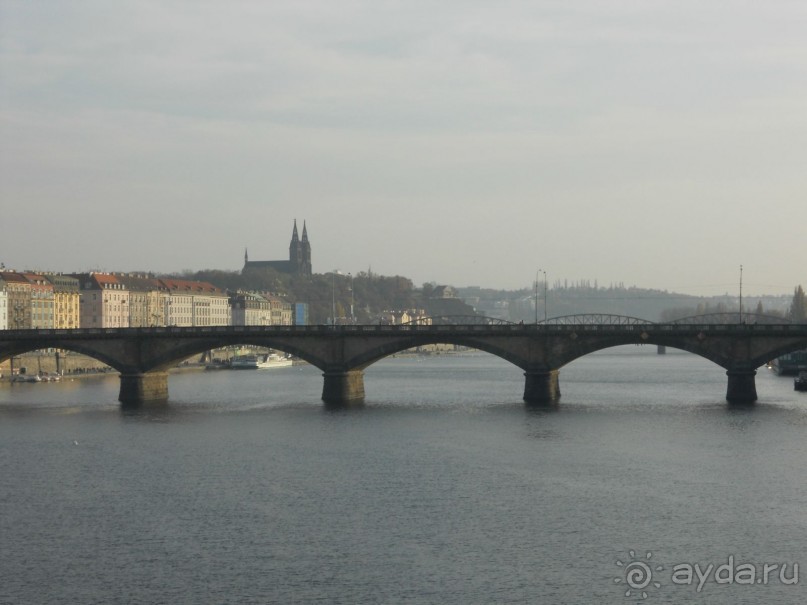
(259, 362)
(244, 362)
(273, 360)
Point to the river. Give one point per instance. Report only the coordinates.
(443, 489)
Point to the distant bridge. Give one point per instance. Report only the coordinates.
(143, 356)
(601, 319)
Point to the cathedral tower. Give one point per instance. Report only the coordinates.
(305, 245)
(295, 249)
(299, 262)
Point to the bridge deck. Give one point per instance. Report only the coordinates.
(669, 328)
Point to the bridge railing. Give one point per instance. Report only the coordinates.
(252, 331)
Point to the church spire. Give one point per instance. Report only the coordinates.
(305, 248)
(246, 256)
(295, 250)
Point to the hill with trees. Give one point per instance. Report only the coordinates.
(368, 295)
(564, 298)
(327, 295)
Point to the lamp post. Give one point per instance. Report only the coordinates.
(333, 298)
(536, 294)
(536, 297)
(352, 319)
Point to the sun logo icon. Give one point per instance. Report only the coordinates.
(638, 574)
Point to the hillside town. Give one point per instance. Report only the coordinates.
(34, 300)
(123, 300)
(264, 293)
(117, 300)
(31, 300)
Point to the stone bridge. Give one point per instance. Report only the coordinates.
(143, 356)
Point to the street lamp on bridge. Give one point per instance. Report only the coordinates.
(536, 294)
(352, 318)
(333, 296)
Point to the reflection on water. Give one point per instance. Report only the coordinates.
(443, 488)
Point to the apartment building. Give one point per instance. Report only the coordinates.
(281, 311)
(41, 301)
(395, 318)
(148, 300)
(66, 301)
(104, 301)
(3, 305)
(193, 303)
(18, 293)
(250, 309)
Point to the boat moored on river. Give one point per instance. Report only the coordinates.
(259, 362)
(26, 378)
(790, 364)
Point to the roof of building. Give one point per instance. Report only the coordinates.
(62, 283)
(98, 281)
(192, 287)
(140, 283)
(12, 277)
(38, 282)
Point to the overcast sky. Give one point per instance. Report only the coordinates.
(657, 143)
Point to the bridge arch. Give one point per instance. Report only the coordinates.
(566, 355)
(772, 354)
(366, 358)
(21, 348)
(583, 319)
(171, 357)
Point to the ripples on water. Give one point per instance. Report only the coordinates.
(443, 488)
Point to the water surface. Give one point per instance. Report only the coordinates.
(444, 488)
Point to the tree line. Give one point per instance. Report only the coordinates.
(327, 295)
(796, 312)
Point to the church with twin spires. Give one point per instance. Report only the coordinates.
(299, 262)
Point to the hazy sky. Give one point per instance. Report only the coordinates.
(651, 142)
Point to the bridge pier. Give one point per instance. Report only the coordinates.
(142, 388)
(742, 386)
(541, 387)
(343, 388)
